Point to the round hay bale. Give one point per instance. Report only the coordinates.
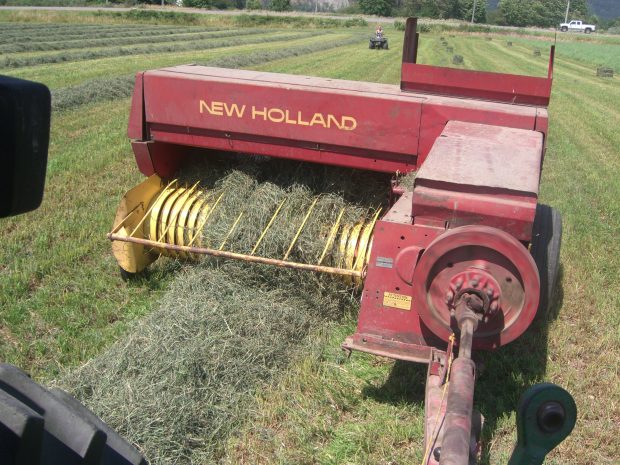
(457, 59)
(509, 44)
(450, 49)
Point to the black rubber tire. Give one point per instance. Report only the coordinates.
(546, 244)
(371, 45)
(588, 30)
(385, 45)
(564, 29)
(126, 275)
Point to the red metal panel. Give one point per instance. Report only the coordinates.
(481, 174)
(394, 130)
(289, 111)
(143, 157)
(437, 111)
(293, 150)
(394, 236)
(542, 125)
(157, 157)
(482, 155)
(136, 127)
(510, 88)
(513, 214)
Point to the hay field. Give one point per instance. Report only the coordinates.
(62, 303)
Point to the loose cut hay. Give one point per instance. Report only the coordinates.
(182, 381)
(276, 200)
(185, 378)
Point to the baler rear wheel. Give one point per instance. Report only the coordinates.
(546, 243)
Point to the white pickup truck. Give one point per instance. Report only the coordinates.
(577, 26)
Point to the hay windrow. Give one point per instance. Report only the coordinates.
(151, 38)
(182, 381)
(204, 44)
(185, 378)
(105, 89)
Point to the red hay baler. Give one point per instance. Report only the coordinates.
(463, 260)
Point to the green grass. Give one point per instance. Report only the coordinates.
(152, 36)
(60, 295)
(59, 75)
(19, 61)
(146, 16)
(61, 301)
(60, 308)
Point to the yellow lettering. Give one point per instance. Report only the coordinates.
(256, 113)
(234, 109)
(300, 121)
(278, 115)
(275, 119)
(332, 119)
(317, 119)
(348, 123)
(203, 106)
(217, 108)
(288, 119)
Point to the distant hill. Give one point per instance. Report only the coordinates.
(604, 9)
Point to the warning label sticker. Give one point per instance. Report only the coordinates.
(400, 301)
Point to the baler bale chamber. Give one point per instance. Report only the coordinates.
(461, 260)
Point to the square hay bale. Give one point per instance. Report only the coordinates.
(457, 59)
(536, 52)
(604, 72)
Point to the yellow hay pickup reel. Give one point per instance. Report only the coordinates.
(157, 218)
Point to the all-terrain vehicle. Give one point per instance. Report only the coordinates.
(378, 41)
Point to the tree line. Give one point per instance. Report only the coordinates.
(542, 13)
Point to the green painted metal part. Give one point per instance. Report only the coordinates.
(545, 417)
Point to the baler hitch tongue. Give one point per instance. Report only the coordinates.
(545, 416)
(456, 445)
